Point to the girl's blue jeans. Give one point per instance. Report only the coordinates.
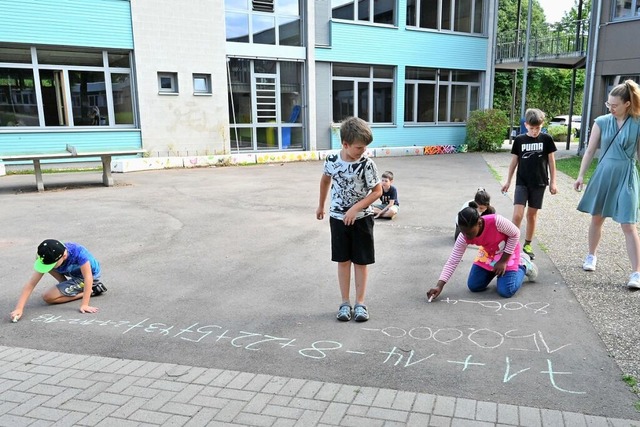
(508, 284)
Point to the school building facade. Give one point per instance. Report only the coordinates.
(187, 77)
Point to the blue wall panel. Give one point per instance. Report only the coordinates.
(94, 23)
(56, 142)
(412, 136)
(368, 44)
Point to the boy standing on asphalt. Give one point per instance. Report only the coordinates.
(62, 260)
(355, 185)
(534, 158)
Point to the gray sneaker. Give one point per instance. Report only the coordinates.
(531, 269)
(344, 312)
(360, 313)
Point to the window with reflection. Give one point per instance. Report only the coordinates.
(364, 91)
(626, 9)
(72, 87)
(265, 105)
(435, 96)
(18, 105)
(464, 16)
(263, 22)
(371, 11)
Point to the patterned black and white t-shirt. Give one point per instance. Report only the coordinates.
(351, 182)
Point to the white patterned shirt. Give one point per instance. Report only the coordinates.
(350, 183)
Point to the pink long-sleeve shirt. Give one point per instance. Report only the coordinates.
(498, 236)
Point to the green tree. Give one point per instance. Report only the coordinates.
(547, 88)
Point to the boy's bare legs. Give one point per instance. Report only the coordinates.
(361, 273)
(344, 279)
(518, 214)
(633, 245)
(532, 218)
(53, 296)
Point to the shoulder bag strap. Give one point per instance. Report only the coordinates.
(614, 138)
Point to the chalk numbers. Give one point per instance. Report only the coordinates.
(318, 348)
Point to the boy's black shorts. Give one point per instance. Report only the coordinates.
(352, 243)
(531, 196)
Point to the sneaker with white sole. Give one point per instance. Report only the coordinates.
(590, 263)
(344, 312)
(634, 280)
(531, 270)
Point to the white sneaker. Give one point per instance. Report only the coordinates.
(531, 270)
(590, 263)
(634, 280)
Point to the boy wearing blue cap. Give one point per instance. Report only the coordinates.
(73, 266)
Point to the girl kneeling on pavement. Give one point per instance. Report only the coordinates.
(499, 254)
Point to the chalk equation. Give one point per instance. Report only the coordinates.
(481, 337)
(497, 306)
(396, 357)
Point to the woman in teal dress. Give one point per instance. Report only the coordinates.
(613, 190)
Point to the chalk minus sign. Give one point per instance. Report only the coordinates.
(355, 352)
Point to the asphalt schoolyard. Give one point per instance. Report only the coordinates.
(228, 268)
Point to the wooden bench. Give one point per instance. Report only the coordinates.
(71, 153)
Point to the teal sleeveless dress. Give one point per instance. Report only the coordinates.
(612, 191)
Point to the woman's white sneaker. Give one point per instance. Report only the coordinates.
(634, 280)
(590, 263)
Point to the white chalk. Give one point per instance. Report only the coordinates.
(431, 298)
(14, 319)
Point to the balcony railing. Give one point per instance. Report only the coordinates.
(563, 42)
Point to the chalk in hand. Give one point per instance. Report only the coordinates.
(14, 319)
(431, 298)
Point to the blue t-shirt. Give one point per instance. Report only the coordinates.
(77, 256)
(392, 194)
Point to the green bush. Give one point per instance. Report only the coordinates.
(486, 130)
(558, 133)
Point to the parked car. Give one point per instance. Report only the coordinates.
(576, 122)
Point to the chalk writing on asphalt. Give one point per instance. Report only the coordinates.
(534, 307)
(396, 357)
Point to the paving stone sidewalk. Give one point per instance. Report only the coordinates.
(41, 388)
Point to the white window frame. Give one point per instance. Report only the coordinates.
(206, 78)
(370, 101)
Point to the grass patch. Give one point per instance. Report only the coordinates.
(495, 174)
(31, 172)
(571, 167)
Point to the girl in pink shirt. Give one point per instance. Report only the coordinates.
(499, 254)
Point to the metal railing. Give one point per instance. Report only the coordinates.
(561, 42)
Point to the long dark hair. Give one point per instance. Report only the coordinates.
(483, 198)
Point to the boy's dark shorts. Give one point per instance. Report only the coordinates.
(352, 243)
(531, 196)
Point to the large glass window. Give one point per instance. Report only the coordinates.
(364, 91)
(373, 11)
(465, 16)
(70, 88)
(265, 105)
(625, 9)
(18, 106)
(88, 98)
(434, 96)
(263, 22)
